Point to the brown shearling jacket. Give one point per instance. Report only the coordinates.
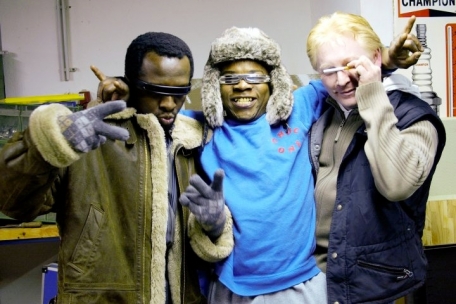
(112, 208)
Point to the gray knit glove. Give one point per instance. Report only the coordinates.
(206, 202)
(85, 130)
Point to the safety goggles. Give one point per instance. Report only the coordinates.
(162, 90)
(249, 78)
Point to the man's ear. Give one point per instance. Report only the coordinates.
(378, 57)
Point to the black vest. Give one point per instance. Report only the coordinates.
(375, 253)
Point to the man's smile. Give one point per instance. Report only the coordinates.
(243, 102)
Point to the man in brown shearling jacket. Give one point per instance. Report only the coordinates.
(114, 184)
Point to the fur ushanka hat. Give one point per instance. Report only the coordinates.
(246, 43)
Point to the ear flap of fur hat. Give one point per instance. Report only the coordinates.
(246, 43)
(211, 99)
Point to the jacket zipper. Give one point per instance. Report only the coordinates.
(401, 273)
(340, 129)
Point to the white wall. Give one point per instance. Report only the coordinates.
(444, 180)
(380, 15)
(101, 30)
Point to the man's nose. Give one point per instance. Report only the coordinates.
(167, 102)
(343, 77)
(242, 85)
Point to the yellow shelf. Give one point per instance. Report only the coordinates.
(46, 231)
(42, 99)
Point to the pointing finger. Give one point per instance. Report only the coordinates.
(98, 73)
(217, 184)
(409, 26)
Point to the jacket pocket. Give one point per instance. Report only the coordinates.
(398, 272)
(88, 241)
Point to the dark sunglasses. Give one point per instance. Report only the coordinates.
(162, 90)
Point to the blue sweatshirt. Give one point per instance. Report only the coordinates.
(268, 187)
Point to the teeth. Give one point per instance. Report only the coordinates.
(243, 100)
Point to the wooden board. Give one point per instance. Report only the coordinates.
(45, 231)
(440, 226)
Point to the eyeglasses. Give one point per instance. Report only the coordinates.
(162, 90)
(249, 78)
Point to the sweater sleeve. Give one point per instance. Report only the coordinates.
(400, 160)
(309, 101)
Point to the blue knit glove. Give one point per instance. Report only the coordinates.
(206, 202)
(85, 130)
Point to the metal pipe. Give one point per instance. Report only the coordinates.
(62, 8)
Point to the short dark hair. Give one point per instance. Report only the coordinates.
(163, 44)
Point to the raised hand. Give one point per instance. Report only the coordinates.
(207, 203)
(85, 130)
(367, 70)
(405, 50)
(110, 88)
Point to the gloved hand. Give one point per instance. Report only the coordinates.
(85, 130)
(206, 202)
